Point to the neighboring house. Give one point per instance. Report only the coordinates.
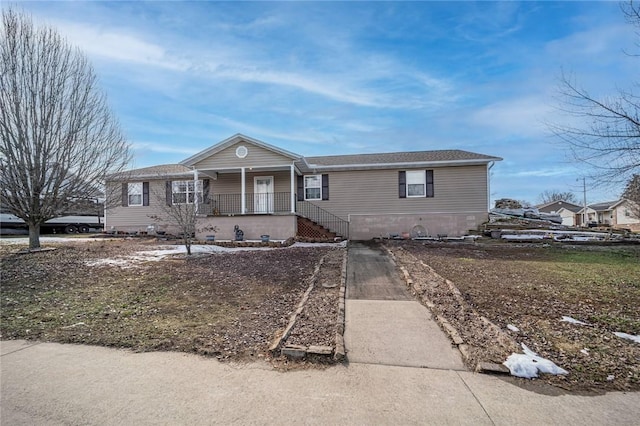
(617, 214)
(565, 209)
(266, 190)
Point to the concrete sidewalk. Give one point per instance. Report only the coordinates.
(52, 384)
(383, 323)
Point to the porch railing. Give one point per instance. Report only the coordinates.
(226, 204)
(271, 203)
(322, 217)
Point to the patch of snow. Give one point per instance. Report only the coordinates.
(512, 327)
(74, 325)
(44, 240)
(161, 252)
(522, 237)
(341, 244)
(573, 321)
(610, 378)
(584, 351)
(529, 364)
(628, 336)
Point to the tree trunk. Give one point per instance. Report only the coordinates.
(34, 236)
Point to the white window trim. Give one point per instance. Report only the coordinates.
(423, 176)
(319, 187)
(199, 191)
(130, 192)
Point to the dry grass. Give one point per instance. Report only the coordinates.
(224, 305)
(532, 287)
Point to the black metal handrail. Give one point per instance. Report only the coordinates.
(322, 217)
(227, 204)
(275, 202)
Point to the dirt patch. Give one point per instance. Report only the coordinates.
(317, 323)
(532, 288)
(227, 305)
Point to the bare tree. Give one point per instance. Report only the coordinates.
(608, 138)
(632, 193)
(59, 138)
(180, 210)
(549, 196)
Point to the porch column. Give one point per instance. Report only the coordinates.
(243, 202)
(196, 204)
(293, 189)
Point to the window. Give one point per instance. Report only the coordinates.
(184, 191)
(313, 187)
(416, 182)
(134, 191)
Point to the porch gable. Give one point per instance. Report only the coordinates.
(240, 151)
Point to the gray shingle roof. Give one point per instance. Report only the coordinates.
(399, 157)
(607, 205)
(557, 205)
(393, 160)
(164, 170)
(335, 162)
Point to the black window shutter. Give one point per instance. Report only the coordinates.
(125, 194)
(145, 193)
(205, 191)
(325, 187)
(300, 188)
(168, 192)
(429, 189)
(402, 184)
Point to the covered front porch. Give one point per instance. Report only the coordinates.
(258, 184)
(248, 191)
(267, 204)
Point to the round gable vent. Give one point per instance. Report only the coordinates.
(241, 151)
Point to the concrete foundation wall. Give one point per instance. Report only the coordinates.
(366, 227)
(278, 227)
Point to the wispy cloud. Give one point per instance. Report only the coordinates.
(162, 148)
(360, 85)
(550, 172)
(118, 45)
(522, 116)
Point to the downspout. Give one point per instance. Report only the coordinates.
(493, 163)
(293, 195)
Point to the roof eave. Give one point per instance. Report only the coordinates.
(150, 176)
(414, 164)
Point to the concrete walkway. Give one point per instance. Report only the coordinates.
(383, 323)
(53, 384)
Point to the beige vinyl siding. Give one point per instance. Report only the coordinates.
(135, 216)
(456, 190)
(257, 157)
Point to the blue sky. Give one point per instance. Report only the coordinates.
(342, 78)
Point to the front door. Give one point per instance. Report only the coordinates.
(263, 194)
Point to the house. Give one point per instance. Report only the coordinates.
(617, 214)
(565, 209)
(267, 190)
